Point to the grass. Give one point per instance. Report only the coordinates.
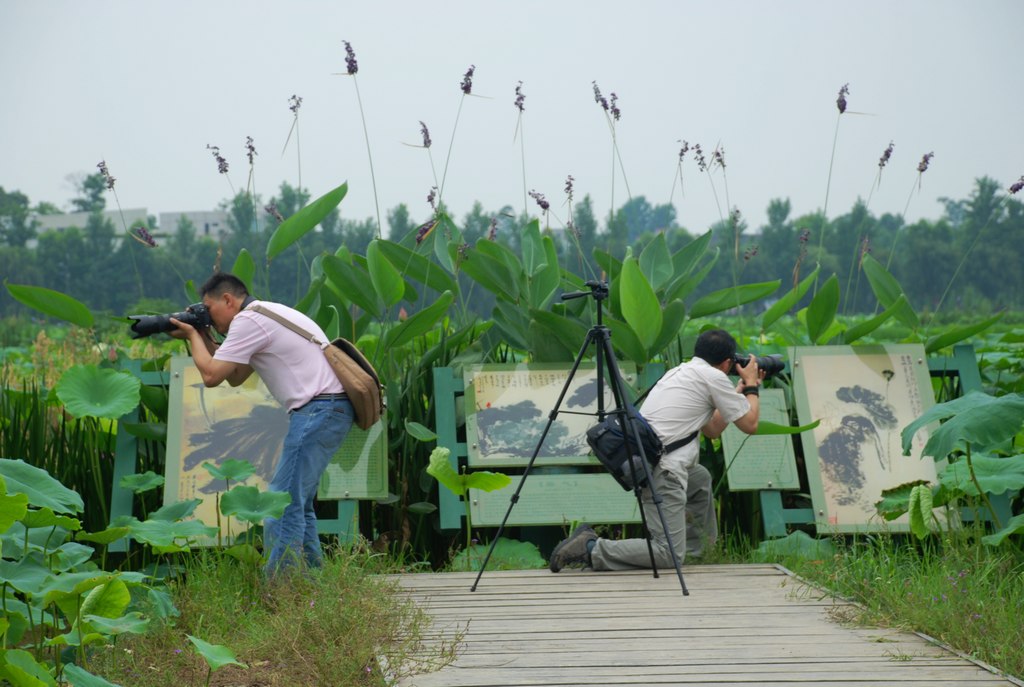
(965, 595)
(343, 624)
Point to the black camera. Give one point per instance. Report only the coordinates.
(197, 315)
(771, 364)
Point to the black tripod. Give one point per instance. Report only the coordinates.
(600, 335)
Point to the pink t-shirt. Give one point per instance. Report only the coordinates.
(293, 368)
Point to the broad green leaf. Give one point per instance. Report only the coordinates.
(608, 263)
(640, 307)
(1015, 526)
(252, 505)
(27, 575)
(506, 554)
(45, 517)
(672, 318)
(959, 334)
(385, 278)
(304, 221)
(570, 333)
(732, 297)
(104, 537)
(770, 428)
(413, 265)
(91, 391)
(490, 273)
(887, 290)
(80, 677)
(545, 279)
(512, 323)
(920, 509)
(683, 286)
(655, 262)
(864, 328)
(161, 533)
(418, 324)
(422, 508)
(162, 604)
(52, 303)
(245, 268)
(20, 669)
(353, 282)
(130, 623)
(625, 340)
(156, 399)
(822, 310)
(784, 304)
(177, 510)
(799, 544)
(686, 258)
(108, 600)
(141, 483)
(215, 655)
(232, 468)
(513, 270)
(147, 431)
(440, 468)
(445, 235)
(533, 251)
(43, 491)
(895, 501)
(12, 509)
(419, 432)
(995, 475)
(981, 420)
(245, 553)
(545, 348)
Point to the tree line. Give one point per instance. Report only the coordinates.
(970, 256)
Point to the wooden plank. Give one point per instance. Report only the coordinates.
(741, 625)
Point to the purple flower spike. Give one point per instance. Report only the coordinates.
(922, 166)
(539, 197)
(431, 197)
(568, 187)
(350, 59)
(520, 97)
(841, 100)
(683, 150)
(143, 236)
(296, 103)
(598, 98)
(616, 112)
(250, 149)
(424, 231)
(274, 212)
(492, 233)
(884, 160)
(426, 134)
(105, 173)
(467, 80)
(222, 164)
(698, 155)
(1017, 186)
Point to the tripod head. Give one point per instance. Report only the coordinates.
(598, 289)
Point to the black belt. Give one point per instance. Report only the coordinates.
(330, 397)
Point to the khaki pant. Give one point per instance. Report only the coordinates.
(689, 510)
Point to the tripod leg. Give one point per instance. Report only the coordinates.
(591, 336)
(629, 418)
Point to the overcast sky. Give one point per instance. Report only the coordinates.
(147, 85)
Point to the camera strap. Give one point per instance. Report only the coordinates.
(675, 445)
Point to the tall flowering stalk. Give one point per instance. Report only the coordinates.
(466, 86)
(519, 104)
(922, 167)
(684, 148)
(612, 114)
(1014, 188)
(294, 103)
(250, 184)
(841, 106)
(862, 240)
(222, 165)
(351, 68)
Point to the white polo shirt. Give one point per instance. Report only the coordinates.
(684, 400)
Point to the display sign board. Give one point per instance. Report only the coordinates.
(246, 423)
(754, 462)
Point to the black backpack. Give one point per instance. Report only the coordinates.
(620, 455)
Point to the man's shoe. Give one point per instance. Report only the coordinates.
(573, 550)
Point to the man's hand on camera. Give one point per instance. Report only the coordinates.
(749, 374)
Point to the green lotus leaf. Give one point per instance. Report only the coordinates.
(43, 491)
(215, 655)
(91, 391)
(232, 469)
(140, 483)
(252, 505)
(80, 677)
(52, 303)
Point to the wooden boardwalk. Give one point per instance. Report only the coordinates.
(742, 625)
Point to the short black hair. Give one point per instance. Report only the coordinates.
(714, 346)
(222, 282)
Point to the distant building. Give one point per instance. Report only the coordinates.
(209, 223)
(80, 219)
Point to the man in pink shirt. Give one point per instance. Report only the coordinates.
(298, 375)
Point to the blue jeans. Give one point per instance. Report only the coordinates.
(315, 431)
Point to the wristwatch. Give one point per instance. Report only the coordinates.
(747, 390)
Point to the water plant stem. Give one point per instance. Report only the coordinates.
(369, 155)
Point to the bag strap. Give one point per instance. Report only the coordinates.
(669, 448)
(284, 321)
